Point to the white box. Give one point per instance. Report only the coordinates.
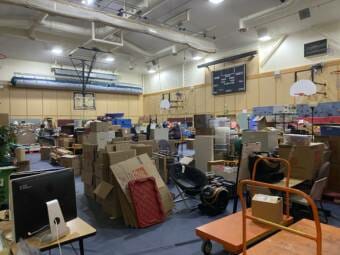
(268, 139)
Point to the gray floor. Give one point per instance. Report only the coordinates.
(175, 236)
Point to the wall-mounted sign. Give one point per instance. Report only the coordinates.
(316, 48)
(229, 80)
(84, 101)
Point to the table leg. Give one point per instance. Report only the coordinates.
(81, 247)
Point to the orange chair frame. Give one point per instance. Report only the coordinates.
(317, 238)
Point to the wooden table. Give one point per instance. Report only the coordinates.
(286, 243)
(293, 182)
(79, 230)
(228, 231)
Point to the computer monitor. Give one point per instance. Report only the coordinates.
(28, 197)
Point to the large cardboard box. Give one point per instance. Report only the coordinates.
(305, 160)
(138, 167)
(334, 178)
(142, 149)
(23, 165)
(268, 139)
(333, 143)
(107, 196)
(267, 207)
(71, 161)
(66, 142)
(99, 138)
(45, 152)
(4, 119)
(100, 126)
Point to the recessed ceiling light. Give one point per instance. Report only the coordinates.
(88, 2)
(109, 59)
(216, 1)
(265, 38)
(152, 70)
(57, 51)
(151, 30)
(196, 58)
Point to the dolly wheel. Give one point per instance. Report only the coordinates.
(206, 247)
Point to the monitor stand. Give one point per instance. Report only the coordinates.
(57, 223)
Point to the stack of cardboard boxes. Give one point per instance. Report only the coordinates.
(99, 133)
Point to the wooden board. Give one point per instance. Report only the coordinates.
(284, 242)
(227, 231)
(50, 106)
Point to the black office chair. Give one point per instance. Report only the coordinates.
(188, 181)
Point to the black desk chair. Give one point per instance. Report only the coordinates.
(188, 181)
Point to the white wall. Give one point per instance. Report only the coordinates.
(289, 54)
(10, 66)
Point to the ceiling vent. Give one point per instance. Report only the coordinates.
(304, 14)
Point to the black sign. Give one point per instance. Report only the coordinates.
(316, 48)
(229, 80)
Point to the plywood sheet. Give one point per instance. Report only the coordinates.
(209, 99)
(229, 103)
(252, 93)
(240, 101)
(219, 104)
(133, 105)
(267, 89)
(50, 106)
(4, 100)
(101, 104)
(64, 103)
(199, 99)
(18, 103)
(283, 85)
(112, 104)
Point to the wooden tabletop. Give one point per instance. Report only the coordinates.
(79, 229)
(283, 242)
(292, 182)
(228, 231)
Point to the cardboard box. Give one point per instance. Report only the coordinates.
(89, 191)
(4, 119)
(153, 143)
(45, 152)
(114, 128)
(334, 178)
(66, 142)
(267, 207)
(107, 196)
(23, 165)
(71, 161)
(138, 167)
(333, 143)
(20, 154)
(305, 160)
(142, 149)
(97, 126)
(99, 138)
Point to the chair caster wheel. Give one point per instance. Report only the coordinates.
(206, 247)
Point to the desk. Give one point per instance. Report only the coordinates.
(79, 230)
(228, 231)
(283, 242)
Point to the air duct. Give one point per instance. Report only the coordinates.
(117, 88)
(66, 9)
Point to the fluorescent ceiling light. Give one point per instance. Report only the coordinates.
(196, 58)
(109, 59)
(151, 30)
(265, 38)
(152, 70)
(57, 51)
(88, 2)
(216, 1)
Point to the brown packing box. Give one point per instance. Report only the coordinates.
(110, 147)
(153, 143)
(305, 160)
(90, 151)
(126, 170)
(334, 178)
(4, 119)
(107, 196)
(142, 149)
(65, 142)
(123, 146)
(114, 128)
(23, 166)
(89, 191)
(88, 178)
(45, 152)
(334, 145)
(99, 126)
(70, 161)
(267, 207)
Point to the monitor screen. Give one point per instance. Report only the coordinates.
(30, 194)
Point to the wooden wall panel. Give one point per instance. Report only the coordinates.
(101, 104)
(34, 102)
(200, 100)
(283, 85)
(240, 101)
(4, 100)
(252, 94)
(209, 100)
(190, 104)
(229, 103)
(18, 103)
(50, 105)
(133, 105)
(112, 104)
(219, 104)
(64, 103)
(267, 91)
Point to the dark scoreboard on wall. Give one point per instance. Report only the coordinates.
(229, 80)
